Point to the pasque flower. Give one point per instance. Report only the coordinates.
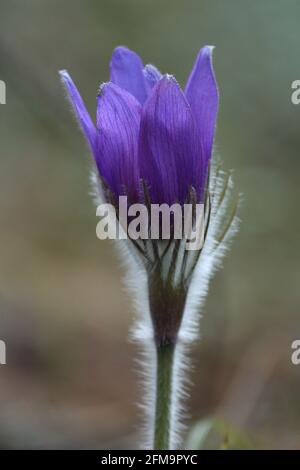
(148, 129)
(153, 142)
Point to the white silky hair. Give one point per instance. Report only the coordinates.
(223, 225)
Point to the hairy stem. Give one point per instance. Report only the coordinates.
(164, 384)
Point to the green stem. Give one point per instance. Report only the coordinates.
(164, 376)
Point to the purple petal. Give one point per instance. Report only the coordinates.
(152, 75)
(118, 122)
(126, 71)
(169, 147)
(202, 94)
(80, 110)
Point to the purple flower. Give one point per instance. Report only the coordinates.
(148, 130)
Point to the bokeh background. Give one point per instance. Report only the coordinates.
(70, 379)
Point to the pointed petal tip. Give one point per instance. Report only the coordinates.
(79, 109)
(206, 54)
(122, 54)
(166, 79)
(101, 88)
(111, 89)
(152, 75)
(166, 82)
(108, 88)
(202, 93)
(208, 47)
(120, 50)
(63, 72)
(69, 85)
(64, 76)
(169, 77)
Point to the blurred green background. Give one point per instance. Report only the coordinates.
(70, 380)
